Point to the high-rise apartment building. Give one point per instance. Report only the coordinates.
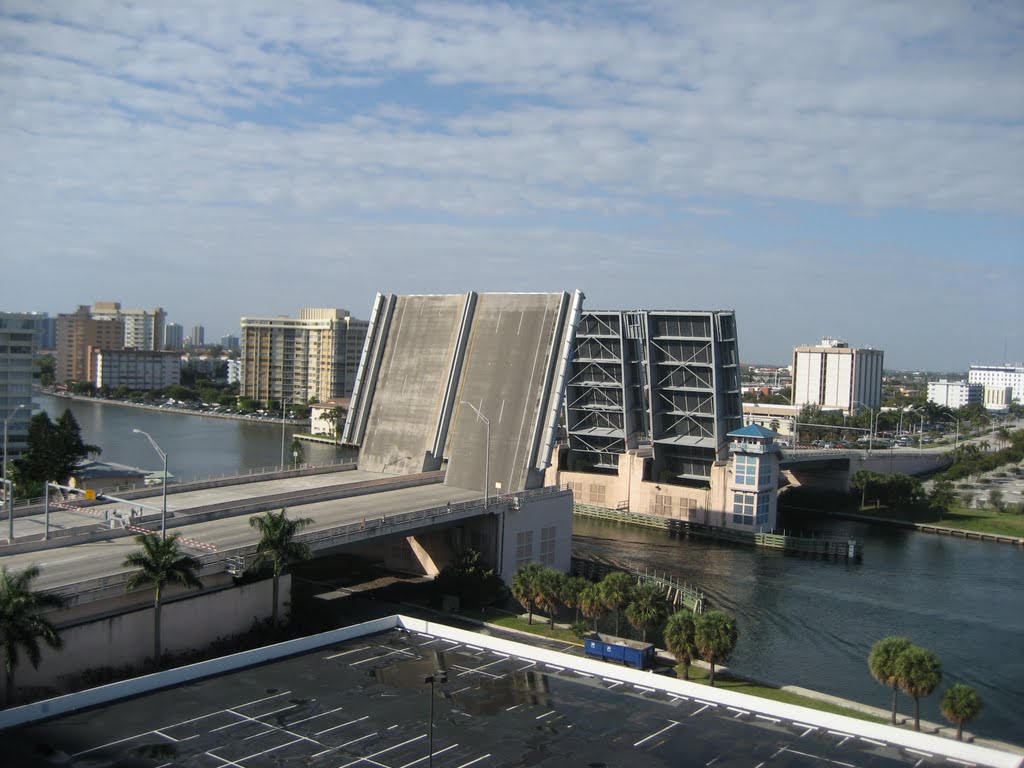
(1000, 376)
(174, 336)
(230, 343)
(835, 375)
(77, 332)
(315, 356)
(198, 337)
(18, 338)
(143, 328)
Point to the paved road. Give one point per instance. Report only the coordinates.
(82, 562)
(186, 502)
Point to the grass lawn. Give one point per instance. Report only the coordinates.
(980, 520)
(697, 674)
(729, 683)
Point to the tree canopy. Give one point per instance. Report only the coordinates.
(22, 624)
(960, 703)
(716, 635)
(54, 450)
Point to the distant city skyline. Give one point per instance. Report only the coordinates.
(845, 169)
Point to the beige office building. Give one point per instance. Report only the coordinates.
(313, 357)
(143, 328)
(77, 333)
(835, 375)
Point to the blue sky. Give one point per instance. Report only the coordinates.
(849, 169)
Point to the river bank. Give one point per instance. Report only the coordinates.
(173, 409)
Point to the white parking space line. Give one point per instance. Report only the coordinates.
(342, 725)
(671, 724)
(346, 653)
(347, 743)
(247, 719)
(694, 714)
(872, 741)
(546, 714)
(369, 758)
(474, 762)
(425, 757)
(314, 717)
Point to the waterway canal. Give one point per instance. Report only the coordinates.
(803, 622)
(811, 622)
(197, 447)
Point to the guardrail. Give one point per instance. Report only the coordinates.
(838, 547)
(234, 559)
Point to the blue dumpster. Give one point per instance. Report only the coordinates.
(631, 653)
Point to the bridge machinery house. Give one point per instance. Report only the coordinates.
(651, 400)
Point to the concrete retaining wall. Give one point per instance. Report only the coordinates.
(126, 639)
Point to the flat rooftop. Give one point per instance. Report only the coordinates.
(362, 701)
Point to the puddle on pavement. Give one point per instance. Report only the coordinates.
(486, 697)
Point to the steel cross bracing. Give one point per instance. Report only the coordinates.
(586, 346)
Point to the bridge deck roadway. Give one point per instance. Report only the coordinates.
(77, 563)
(185, 502)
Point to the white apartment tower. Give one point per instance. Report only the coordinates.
(313, 357)
(835, 375)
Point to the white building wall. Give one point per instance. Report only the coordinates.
(837, 376)
(539, 532)
(999, 376)
(955, 394)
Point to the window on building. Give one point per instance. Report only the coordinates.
(547, 546)
(597, 493)
(524, 548)
(746, 470)
(762, 509)
(663, 505)
(764, 476)
(750, 508)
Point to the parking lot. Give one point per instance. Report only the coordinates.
(363, 702)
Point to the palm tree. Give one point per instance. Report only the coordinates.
(278, 546)
(918, 673)
(882, 663)
(679, 639)
(572, 588)
(524, 587)
(549, 589)
(616, 591)
(715, 634)
(647, 608)
(592, 603)
(22, 625)
(960, 703)
(160, 563)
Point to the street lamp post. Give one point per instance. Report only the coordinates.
(872, 423)
(8, 486)
(284, 404)
(487, 449)
(439, 677)
(163, 505)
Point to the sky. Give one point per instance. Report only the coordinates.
(851, 169)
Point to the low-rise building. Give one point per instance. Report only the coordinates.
(955, 394)
(328, 417)
(134, 369)
(998, 399)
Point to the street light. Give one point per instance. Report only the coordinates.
(8, 487)
(487, 449)
(872, 423)
(439, 677)
(163, 507)
(284, 403)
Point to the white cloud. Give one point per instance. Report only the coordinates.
(554, 118)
